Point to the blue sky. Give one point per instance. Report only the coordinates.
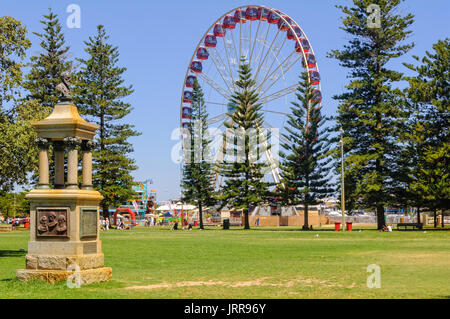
(156, 41)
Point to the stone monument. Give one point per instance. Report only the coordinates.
(64, 229)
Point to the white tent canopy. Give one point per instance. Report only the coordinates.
(177, 206)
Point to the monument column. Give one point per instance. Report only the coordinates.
(43, 163)
(72, 161)
(58, 148)
(87, 147)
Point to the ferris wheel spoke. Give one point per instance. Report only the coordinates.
(214, 85)
(271, 65)
(263, 45)
(278, 94)
(281, 137)
(254, 43)
(217, 118)
(220, 66)
(237, 58)
(285, 61)
(225, 44)
(270, 47)
(283, 71)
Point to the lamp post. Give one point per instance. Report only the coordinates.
(342, 180)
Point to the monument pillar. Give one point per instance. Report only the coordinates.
(43, 163)
(64, 228)
(72, 144)
(58, 149)
(87, 148)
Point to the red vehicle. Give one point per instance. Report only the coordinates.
(219, 30)
(190, 81)
(239, 16)
(202, 53)
(263, 13)
(283, 26)
(315, 77)
(317, 96)
(273, 17)
(210, 40)
(186, 112)
(310, 60)
(196, 66)
(305, 45)
(228, 22)
(187, 97)
(291, 35)
(251, 13)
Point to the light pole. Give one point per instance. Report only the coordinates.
(342, 180)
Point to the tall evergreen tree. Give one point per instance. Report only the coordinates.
(197, 187)
(17, 148)
(99, 95)
(244, 186)
(370, 110)
(428, 136)
(47, 67)
(305, 166)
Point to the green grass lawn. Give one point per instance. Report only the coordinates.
(260, 263)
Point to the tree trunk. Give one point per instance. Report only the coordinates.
(306, 223)
(435, 218)
(380, 217)
(200, 215)
(442, 218)
(418, 215)
(246, 223)
(105, 208)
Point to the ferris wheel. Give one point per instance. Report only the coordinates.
(277, 50)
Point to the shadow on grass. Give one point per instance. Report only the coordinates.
(12, 253)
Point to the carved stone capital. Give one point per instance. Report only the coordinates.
(58, 146)
(87, 146)
(42, 143)
(72, 142)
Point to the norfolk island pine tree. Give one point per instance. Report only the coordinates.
(99, 95)
(244, 186)
(305, 166)
(197, 186)
(371, 110)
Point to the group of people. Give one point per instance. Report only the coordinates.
(104, 223)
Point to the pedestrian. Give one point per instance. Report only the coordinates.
(107, 223)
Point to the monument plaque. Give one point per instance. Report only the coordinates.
(88, 222)
(52, 221)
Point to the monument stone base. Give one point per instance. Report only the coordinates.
(88, 276)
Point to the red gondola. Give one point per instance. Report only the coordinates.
(239, 16)
(305, 45)
(228, 22)
(315, 77)
(187, 97)
(210, 40)
(263, 13)
(317, 96)
(283, 26)
(251, 13)
(186, 112)
(291, 35)
(310, 59)
(219, 30)
(190, 81)
(196, 66)
(273, 17)
(202, 53)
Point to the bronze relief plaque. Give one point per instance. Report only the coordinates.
(52, 221)
(88, 222)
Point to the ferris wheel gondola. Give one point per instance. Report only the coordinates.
(277, 50)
